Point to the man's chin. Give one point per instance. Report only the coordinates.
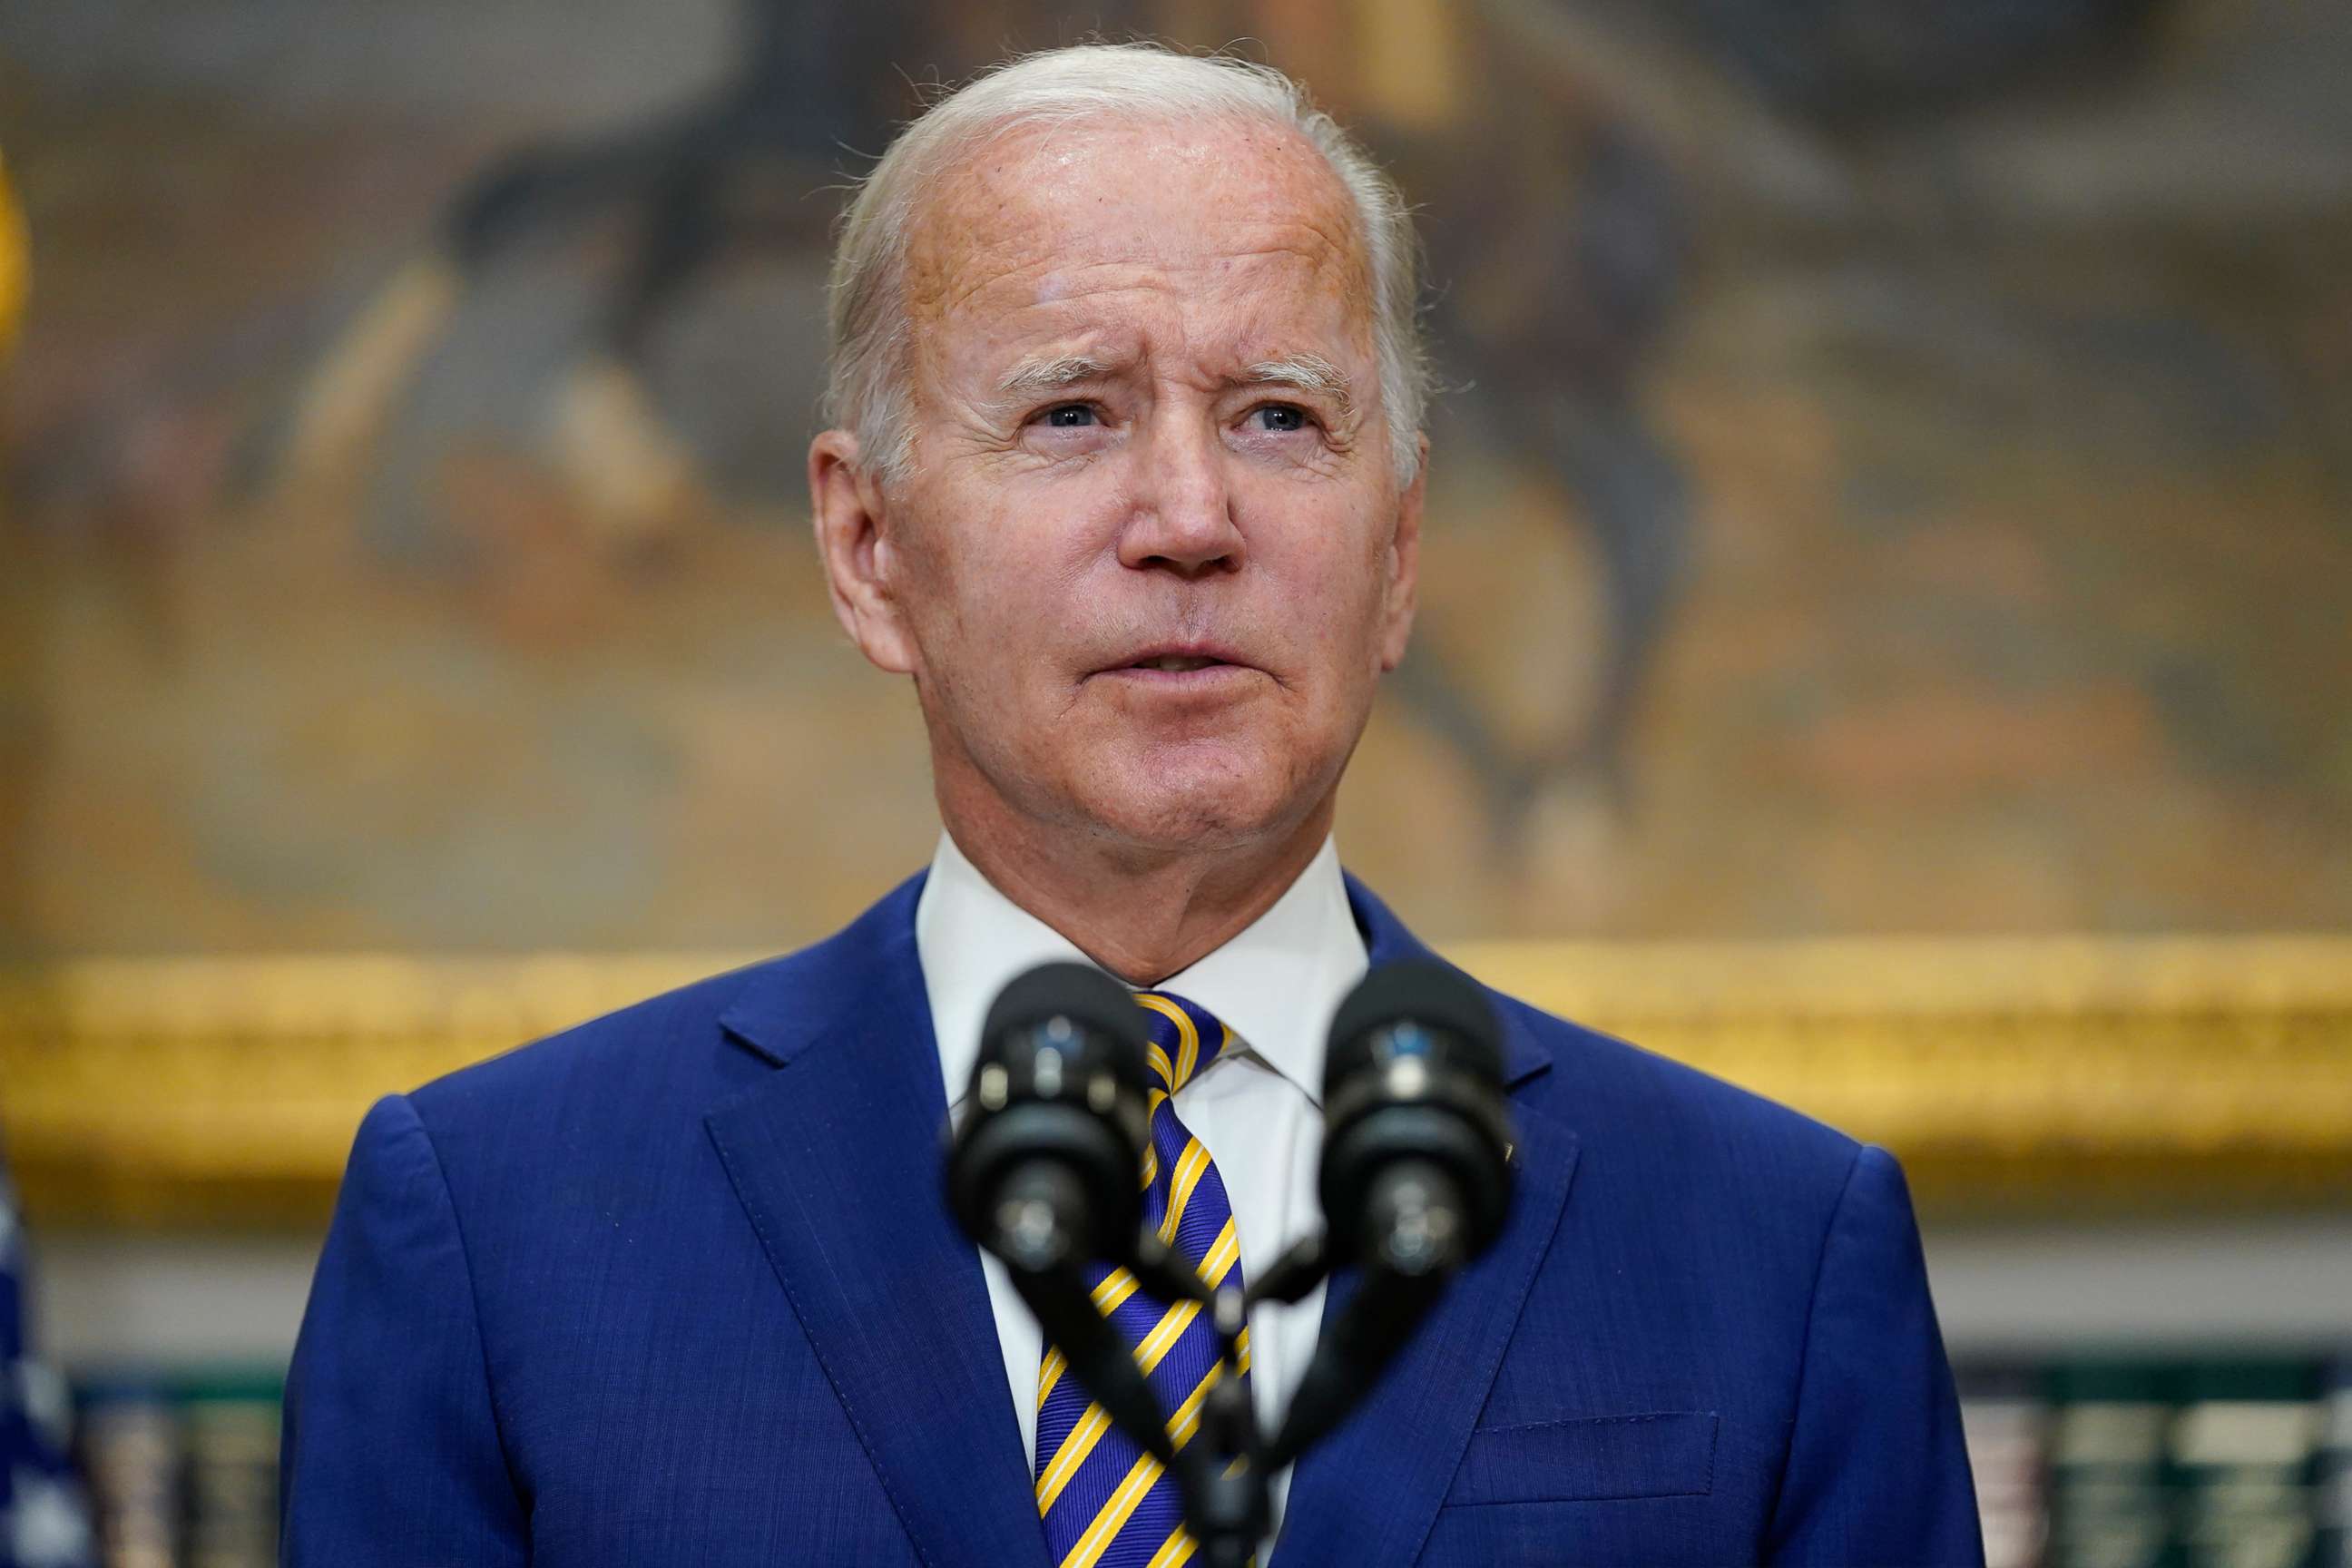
(1179, 805)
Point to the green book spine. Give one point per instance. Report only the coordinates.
(2245, 1446)
(2335, 1497)
(2110, 1420)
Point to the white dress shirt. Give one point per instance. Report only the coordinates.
(1257, 1108)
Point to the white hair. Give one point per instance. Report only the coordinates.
(866, 386)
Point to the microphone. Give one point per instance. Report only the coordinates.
(1416, 1174)
(1416, 1177)
(1045, 1172)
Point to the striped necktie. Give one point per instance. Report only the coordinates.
(1104, 1499)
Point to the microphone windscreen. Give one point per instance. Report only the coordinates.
(1078, 992)
(1057, 1116)
(1434, 995)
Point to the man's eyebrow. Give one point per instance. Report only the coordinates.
(1308, 372)
(1034, 378)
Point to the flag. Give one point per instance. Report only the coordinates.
(44, 1522)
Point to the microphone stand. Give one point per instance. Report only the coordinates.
(1218, 1468)
(1225, 1471)
(1414, 1170)
(1411, 1245)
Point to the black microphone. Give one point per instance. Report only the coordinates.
(1045, 1171)
(1416, 1177)
(1416, 1173)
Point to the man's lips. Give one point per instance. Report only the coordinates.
(1180, 664)
(1176, 663)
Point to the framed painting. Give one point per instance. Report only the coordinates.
(1884, 635)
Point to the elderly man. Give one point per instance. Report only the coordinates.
(1127, 480)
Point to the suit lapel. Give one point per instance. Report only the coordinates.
(835, 1157)
(1368, 1495)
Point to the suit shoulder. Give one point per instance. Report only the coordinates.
(625, 1050)
(651, 1070)
(1613, 1088)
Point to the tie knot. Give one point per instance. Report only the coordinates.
(1185, 1037)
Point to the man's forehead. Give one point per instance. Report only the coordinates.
(1043, 216)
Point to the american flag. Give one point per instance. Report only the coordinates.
(43, 1521)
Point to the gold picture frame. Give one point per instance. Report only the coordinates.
(2011, 1075)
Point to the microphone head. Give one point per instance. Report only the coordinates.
(1056, 1114)
(1413, 1083)
(1443, 1011)
(1080, 993)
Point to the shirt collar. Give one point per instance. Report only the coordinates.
(1277, 985)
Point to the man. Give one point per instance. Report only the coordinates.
(1127, 481)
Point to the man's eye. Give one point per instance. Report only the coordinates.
(1280, 418)
(1069, 417)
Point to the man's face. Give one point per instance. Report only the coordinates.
(1151, 555)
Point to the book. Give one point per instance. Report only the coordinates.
(2110, 1424)
(229, 1429)
(2333, 1495)
(2005, 1418)
(2245, 1441)
(130, 1441)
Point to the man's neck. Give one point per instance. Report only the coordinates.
(1141, 913)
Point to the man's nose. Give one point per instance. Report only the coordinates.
(1182, 517)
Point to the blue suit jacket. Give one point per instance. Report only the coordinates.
(677, 1287)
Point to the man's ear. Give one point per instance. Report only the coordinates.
(847, 509)
(1404, 564)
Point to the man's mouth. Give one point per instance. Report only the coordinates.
(1198, 666)
(1176, 663)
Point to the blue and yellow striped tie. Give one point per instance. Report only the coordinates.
(1105, 1501)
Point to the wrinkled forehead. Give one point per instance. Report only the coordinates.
(1028, 231)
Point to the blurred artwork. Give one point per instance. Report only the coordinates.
(1895, 472)
(12, 262)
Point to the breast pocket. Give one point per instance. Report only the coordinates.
(1591, 1459)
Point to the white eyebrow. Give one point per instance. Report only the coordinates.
(1034, 378)
(1308, 372)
